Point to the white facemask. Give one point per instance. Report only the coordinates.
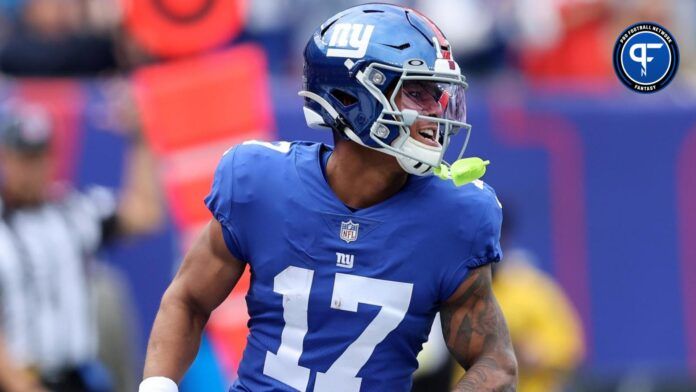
(426, 156)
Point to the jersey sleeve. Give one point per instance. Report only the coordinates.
(484, 249)
(220, 202)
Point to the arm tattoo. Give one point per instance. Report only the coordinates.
(477, 336)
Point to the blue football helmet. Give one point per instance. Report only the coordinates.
(362, 60)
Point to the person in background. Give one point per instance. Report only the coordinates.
(545, 328)
(60, 38)
(435, 363)
(48, 235)
(580, 50)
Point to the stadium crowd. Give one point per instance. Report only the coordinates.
(540, 41)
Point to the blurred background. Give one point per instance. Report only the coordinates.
(598, 183)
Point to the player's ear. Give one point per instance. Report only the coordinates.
(345, 98)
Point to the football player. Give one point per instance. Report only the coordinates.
(354, 248)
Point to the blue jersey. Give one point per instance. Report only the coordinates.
(342, 300)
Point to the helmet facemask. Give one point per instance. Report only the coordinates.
(430, 100)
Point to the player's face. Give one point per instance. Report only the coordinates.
(428, 99)
(25, 177)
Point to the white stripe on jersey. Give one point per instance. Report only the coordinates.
(45, 300)
(13, 312)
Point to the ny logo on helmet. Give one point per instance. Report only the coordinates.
(349, 40)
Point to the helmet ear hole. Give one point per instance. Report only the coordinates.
(346, 99)
(389, 91)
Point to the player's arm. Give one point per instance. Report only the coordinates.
(140, 208)
(205, 278)
(476, 334)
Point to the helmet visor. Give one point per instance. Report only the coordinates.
(441, 100)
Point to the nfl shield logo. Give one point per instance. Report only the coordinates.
(349, 231)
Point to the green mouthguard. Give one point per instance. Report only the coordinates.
(463, 171)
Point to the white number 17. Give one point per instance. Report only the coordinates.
(294, 284)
